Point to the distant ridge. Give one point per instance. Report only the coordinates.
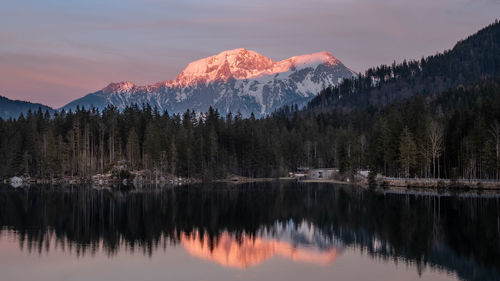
(13, 108)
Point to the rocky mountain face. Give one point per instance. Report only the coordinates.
(234, 81)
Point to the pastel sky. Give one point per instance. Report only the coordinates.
(54, 51)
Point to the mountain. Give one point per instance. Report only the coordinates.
(472, 59)
(13, 108)
(237, 80)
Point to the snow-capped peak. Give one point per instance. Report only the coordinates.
(118, 87)
(245, 64)
(238, 63)
(309, 60)
(238, 80)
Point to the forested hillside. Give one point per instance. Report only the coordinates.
(472, 59)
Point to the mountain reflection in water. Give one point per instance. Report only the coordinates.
(245, 226)
(248, 251)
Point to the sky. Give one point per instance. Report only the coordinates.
(54, 51)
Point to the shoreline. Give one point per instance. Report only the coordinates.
(391, 187)
(382, 184)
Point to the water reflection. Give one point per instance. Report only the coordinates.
(246, 250)
(246, 226)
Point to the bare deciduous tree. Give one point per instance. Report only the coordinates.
(435, 142)
(495, 134)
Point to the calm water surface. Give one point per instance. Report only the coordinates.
(265, 231)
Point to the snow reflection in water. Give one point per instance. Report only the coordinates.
(300, 243)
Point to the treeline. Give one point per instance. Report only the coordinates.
(470, 60)
(451, 134)
(87, 142)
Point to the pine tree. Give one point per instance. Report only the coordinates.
(151, 147)
(408, 151)
(133, 149)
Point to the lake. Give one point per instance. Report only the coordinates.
(259, 231)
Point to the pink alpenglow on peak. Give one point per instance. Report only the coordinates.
(238, 80)
(310, 60)
(118, 87)
(245, 64)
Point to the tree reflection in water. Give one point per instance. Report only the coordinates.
(245, 225)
